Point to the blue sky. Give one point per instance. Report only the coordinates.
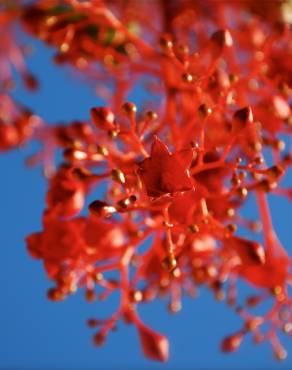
(38, 334)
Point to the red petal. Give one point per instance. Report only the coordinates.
(33, 243)
(184, 157)
(51, 268)
(266, 276)
(158, 148)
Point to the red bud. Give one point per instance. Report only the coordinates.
(231, 343)
(30, 82)
(241, 118)
(101, 209)
(221, 39)
(154, 345)
(103, 118)
(249, 252)
(281, 107)
(8, 136)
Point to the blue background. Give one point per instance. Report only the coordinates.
(38, 334)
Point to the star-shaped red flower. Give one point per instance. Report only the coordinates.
(164, 172)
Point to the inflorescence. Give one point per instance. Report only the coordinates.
(177, 170)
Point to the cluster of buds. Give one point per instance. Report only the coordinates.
(178, 172)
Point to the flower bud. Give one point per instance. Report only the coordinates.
(90, 295)
(249, 252)
(242, 192)
(275, 172)
(126, 202)
(30, 81)
(8, 136)
(187, 77)
(280, 353)
(174, 306)
(93, 323)
(281, 107)
(129, 108)
(101, 209)
(204, 111)
(221, 39)
(72, 154)
(169, 262)
(103, 118)
(136, 296)
(118, 176)
(154, 345)
(166, 43)
(151, 115)
(54, 294)
(254, 323)
(253, 300)
(231, 343)
(99, 339)
(241, 118)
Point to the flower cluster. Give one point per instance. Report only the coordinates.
(178, 170)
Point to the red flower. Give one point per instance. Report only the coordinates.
(230, 103)
(69, 245)
(164, 172)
